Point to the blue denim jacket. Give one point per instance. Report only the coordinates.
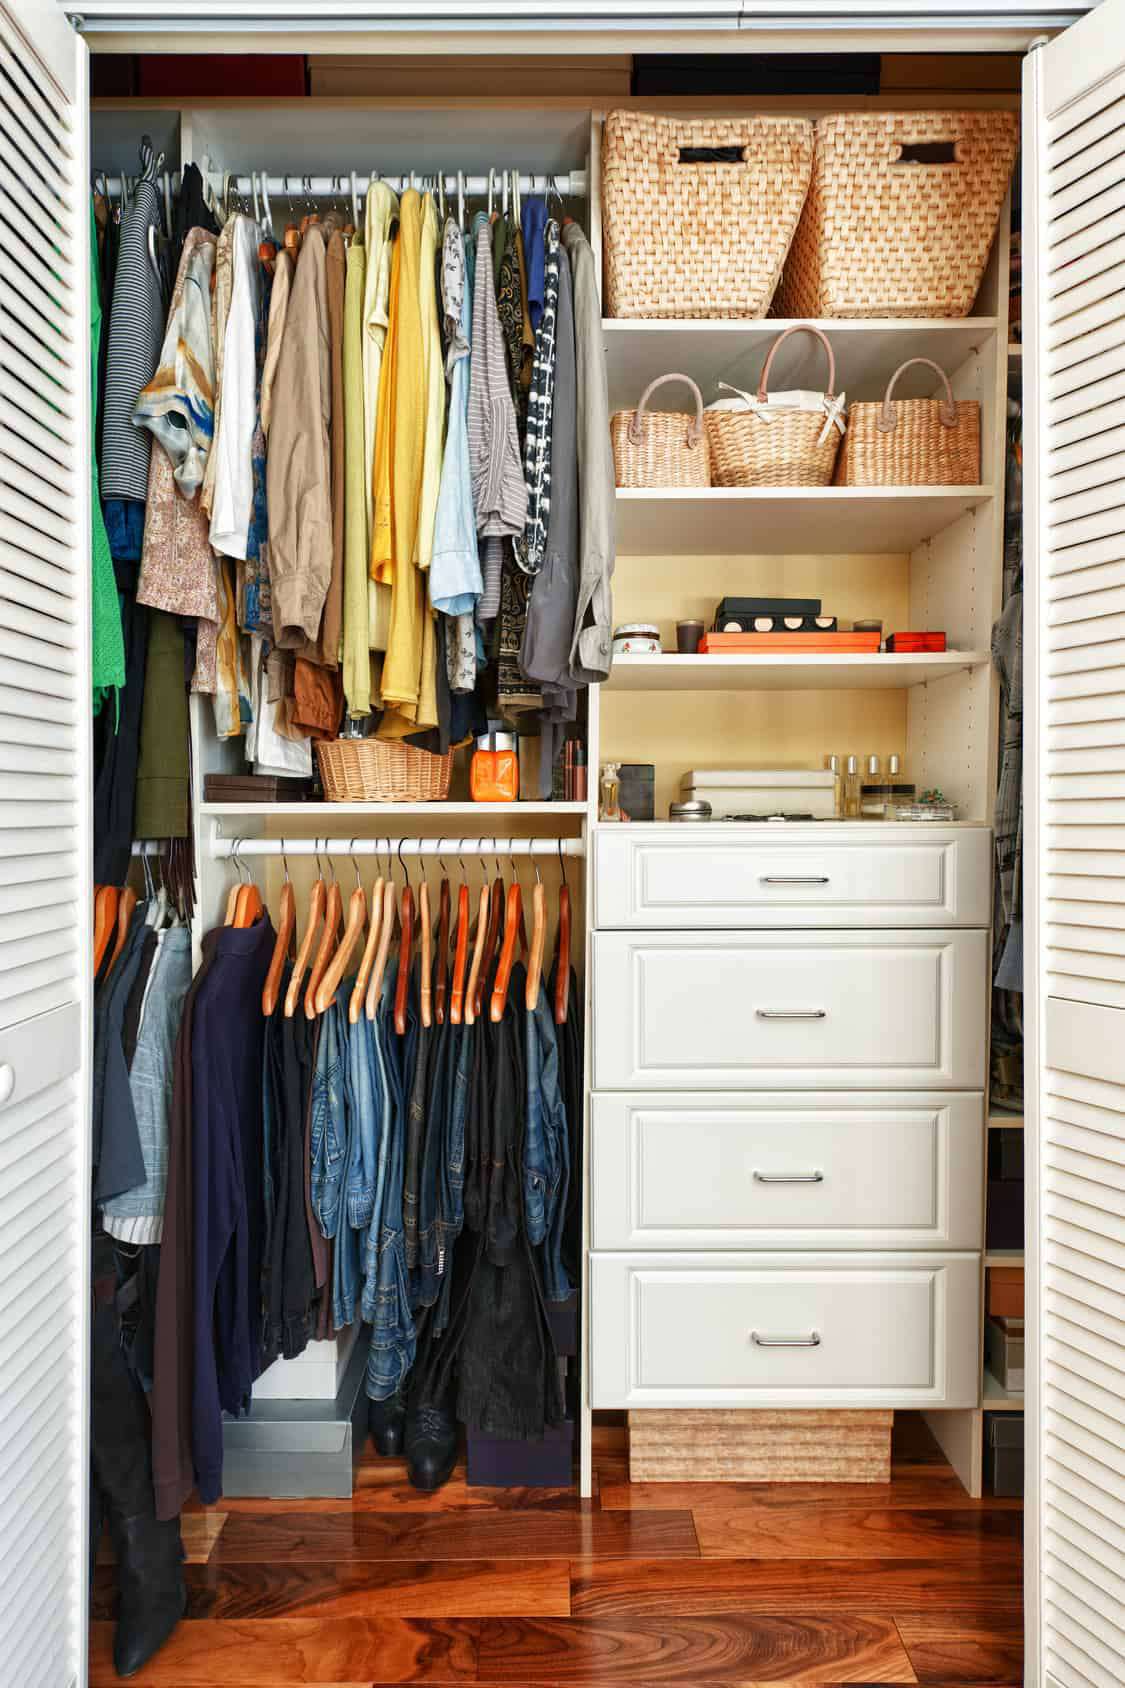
(546, 1157)
(386, 1300)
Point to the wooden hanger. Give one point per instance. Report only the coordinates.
(374, 932)
(126, 903)
(475, 985)
(425, 995)
(286, 926)
(357, 919)
(105, 920)
(374, 988)
(317, 898)
(513, 911)
(538, 940)
(333, 920)
(402, 983)
(562, 948)
(459, 1004)
(442, 982)
(249, 906)
(495, 910)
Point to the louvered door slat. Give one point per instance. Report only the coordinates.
(45, 891)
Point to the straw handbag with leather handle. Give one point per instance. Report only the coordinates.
(777, 439)
(699, 213)
(372, 770)
(912, 442)
(655, 448)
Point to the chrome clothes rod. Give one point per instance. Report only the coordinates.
(149, 847)
(450, 844)
(570, 184)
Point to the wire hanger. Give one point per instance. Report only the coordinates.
(461, 200)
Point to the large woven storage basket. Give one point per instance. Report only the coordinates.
(654, 448)
(381, 771)
(771, 445)
(883, 236)
(699, 214)
(912, 442)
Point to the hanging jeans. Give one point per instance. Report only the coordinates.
(386, 1298)
(545, 1152)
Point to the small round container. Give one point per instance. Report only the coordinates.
(688, 635)
(636, 638)
(695, 810)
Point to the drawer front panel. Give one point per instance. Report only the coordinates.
(887, 1171)
(730, 876)
(871, 1011)
(743, 1330)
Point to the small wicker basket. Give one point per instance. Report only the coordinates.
(375, 770)
(662, 447)
(776, 445)
(912, 442)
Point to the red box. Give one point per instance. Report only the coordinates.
(908, 643)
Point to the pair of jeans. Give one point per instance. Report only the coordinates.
(365, 1068)
(545, 1151)
(451, 1190)
(416, 1085)
(426, 1282)
(386, 1299)
(329, 1148)
(347, 1252)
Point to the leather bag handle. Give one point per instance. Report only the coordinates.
(798, 328)
(694, 427)
(888, 419)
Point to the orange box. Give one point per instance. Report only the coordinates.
(789, 644)
(1005, 1291)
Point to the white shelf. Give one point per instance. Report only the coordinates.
(483, 812)
(867, 353)
(998, 1120)
(1004, 1257)
(722, 521)
(785, 673)
(995, 1399)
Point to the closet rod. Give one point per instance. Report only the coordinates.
(148, 847)
(569, 184)
(450, 844)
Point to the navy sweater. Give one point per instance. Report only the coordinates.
(226, 1062)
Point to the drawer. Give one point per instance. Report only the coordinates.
(786, 1171)
(827, 875)
(790, 1010)
(748, 1330)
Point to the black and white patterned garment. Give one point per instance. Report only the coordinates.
(530, 547)
(136, 332)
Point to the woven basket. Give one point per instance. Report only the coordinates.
(912, 442)
(381, 771)
(691, 236)
(882, 236)
(783, 448)
(662, 447)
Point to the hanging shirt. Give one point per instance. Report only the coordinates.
(232, 498)
(336, 263)
(357, 538)
(107, 645)
(533, 223)
(220, 307)
(279, 310)
(455, 578)
(381, 216)
(499, 488)
(178, 405)
(136, 329)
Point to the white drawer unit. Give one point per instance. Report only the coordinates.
(795, 1330)
(884, 875)
(790, 1010)
(786, 1171)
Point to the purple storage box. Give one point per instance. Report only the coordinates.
(547, 1464)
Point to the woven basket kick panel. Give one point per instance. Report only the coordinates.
(883, 237)
(686, 237)
(760, 1446)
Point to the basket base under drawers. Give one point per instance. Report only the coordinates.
(698, 1445)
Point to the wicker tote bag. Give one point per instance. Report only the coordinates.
(900, 215)
(772, 442)
(382, 771)
(653, 448)
(912, 442)
(699, 214)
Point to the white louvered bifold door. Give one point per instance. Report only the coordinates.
(1074, 440)
(45, 845)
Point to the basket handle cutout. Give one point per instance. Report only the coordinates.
(695, 426)
(711, 155)
(798, 328)
(888, 419)
(928, 152)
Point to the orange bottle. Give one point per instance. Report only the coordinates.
(494, 773)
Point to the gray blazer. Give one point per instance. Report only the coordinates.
(591, 646)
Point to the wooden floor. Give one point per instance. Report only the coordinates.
(674, 1584)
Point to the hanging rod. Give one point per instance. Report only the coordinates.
(222, 849)
(148, 847)
(571, 184)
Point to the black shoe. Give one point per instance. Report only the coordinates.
(431, 1447)
(387, 1423)
(150, 1578)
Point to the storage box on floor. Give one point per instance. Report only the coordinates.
(1003, 1454)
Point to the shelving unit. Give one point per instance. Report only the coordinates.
(996, 1399)
(719, 672)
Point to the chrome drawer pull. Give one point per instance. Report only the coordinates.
(793, 879)
(791, 1013)
(789, 1178)
(810, 1341)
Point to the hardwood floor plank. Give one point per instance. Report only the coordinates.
(254, 1653)
(987, 1539)
(383, 1486)
(346, 1538)
(613, 1588)
(911, 1491)
(199, 1531)
(958, 1647)
(725, 1651)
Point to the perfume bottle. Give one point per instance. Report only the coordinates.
(833, 763)
(852, 789)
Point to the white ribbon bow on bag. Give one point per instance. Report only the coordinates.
(798, 399)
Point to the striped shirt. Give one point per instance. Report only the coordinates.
(136, 330)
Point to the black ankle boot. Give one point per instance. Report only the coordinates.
(387, 1422)
(431, 1446)
(150, 1579)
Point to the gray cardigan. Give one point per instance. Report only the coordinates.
(591, 645)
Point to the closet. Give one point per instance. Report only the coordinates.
(877, 1284)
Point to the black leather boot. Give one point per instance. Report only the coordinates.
(431, 1446)
(150, 1581)
(387, 1423)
